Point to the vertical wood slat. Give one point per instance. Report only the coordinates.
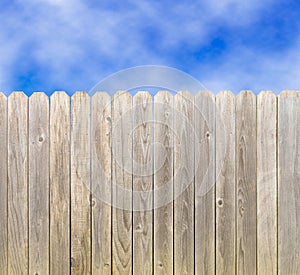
(246, 182)
(3, 184)
(225, 183)
(24, 178)
(80, 184)
(38, 184)
(17, 183)
(60, 183)
(266, 184)
(183, 183)
(142, 184)
(205, 183)
(101, 183)
(288, 182)
(122, 183)
(163, 183)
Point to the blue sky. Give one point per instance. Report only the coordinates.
(48, 45)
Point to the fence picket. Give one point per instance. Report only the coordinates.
(80, 184)
(266, 184)
(142, 183)
(122, 183)
(205, 183)
(17, 183)
(101, 184)
(3, 183)
(184, 183)
(246, 182)
(225, 183)
(163, 183)
(38, 184)
(288, 182)
(60, 226)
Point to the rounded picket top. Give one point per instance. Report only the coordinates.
(163, 94)
(38, 95)
(245, 93)
(17, 94)
(56, 93)
(80, 94)
(2, 95)
(289, 93)
(206, 93)
(185, 94)
(101, 94)
(225, 93)
(121, 94)
(265, 93)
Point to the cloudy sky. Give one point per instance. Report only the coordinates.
(48, 45)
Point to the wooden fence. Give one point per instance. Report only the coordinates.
(166, 184)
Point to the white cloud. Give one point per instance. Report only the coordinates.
(72, 39)
(242, 68)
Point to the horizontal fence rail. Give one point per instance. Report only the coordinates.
(164, 184)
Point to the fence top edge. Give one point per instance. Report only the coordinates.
(162, 94)
(289, 93)
(225, 93)
(205, 93)
(283, 93)
(17, 93)
(59, 93)
(121, 93)
(246, 93)
(101, 93)
(186, 94)
(2, 95)
(266, 93)
(80, 94)
(38, 94)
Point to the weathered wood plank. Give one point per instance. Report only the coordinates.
(17, 183)
(60, 183)
(38, 184)
(288, 182)
(245, 201)
(205, 183)
(80, 184)
(184, 183)
(3, 184)
(142, 184)
(122, 183)
(225, 183)
(101, 183)
(163, 183)
(266, 184)
(246, 182)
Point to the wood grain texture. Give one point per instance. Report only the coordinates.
(205, 183)
(288, 182)
(101, 183)
(80, 184)
(266, 184)
(122, 183)
(142, 184)
(38, 184)
(17, 183)
(60, 126)
(3, 184)
(225, 183)
(183, 183)
(163, 183)
(52, 155)
(246, 182)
